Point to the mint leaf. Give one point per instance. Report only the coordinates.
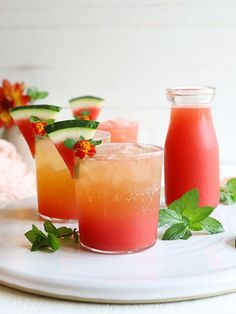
(32, 93)
(169, 217)
(187, 203)
(175, 232)
(34, 119)
(226, 197)
(64, 232)
(38, 232)
(187, 235)
(31, 236)
(54, 242)
(69, 143)
(49, 121)
(211, 225)
(95, 143)
(231, 184)
(200, 213)
(228, 192)
(42, 94)
(195, 227)
(50, 228)
(35, 94)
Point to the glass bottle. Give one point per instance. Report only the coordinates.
(191, 158)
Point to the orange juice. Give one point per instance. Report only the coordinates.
(55, 186)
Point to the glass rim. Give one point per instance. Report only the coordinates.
(157, 150)
(103, 134)
(190, 91)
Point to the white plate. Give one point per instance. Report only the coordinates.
(171, 270)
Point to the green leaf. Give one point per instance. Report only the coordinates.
(175, 232)
(211, 225)
(64, 231)
(50, 228)
(228, 192)
(231, 184)
(201, 213)
(195, 227)
(70, 143)
(187, 203)
(42, 95)
(49, 121)
(34, 119)
(81, 138)
(95, 143)
(38, 243)
(54, 242)
(31, 236)
(168, 217)
(32, 93)
(187, 235)
(38, 232)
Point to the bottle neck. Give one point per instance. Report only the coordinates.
(190, 97)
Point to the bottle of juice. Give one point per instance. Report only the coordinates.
(191, 158)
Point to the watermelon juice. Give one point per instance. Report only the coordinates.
(122, 131)
(118, 194)
(55, 186)
(191, 148)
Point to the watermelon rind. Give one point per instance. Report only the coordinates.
(85, 102)
(43, 112)
(72, 129)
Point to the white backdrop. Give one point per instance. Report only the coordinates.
(128, 52)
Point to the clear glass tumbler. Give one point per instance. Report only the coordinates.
(118, 195)
(55, 186)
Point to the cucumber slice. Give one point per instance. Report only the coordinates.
(43, 112)
(85, 102)
(60, 131)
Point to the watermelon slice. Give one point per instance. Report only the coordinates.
(21, 115)
(70, 129)
(86, 107)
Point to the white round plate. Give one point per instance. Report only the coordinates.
(171, 270)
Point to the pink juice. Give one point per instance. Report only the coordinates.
(122, 131)
(191, 154)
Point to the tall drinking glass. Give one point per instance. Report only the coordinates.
(118, 195)
(55, 186)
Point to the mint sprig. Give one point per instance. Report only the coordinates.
(184, 215)
(35, 94)
(51, 239)
(228, 192)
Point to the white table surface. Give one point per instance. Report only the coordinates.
(13, 301)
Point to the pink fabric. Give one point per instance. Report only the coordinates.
(16, 181)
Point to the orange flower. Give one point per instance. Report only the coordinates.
(14, 93)
(38, 127)
(83, 148)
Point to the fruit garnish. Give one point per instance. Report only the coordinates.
(74, 131)
(82, 147)
(183, 216)
(86, 107)
(228, 192)
(24, 116)
(51, 239)
(39, 125)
